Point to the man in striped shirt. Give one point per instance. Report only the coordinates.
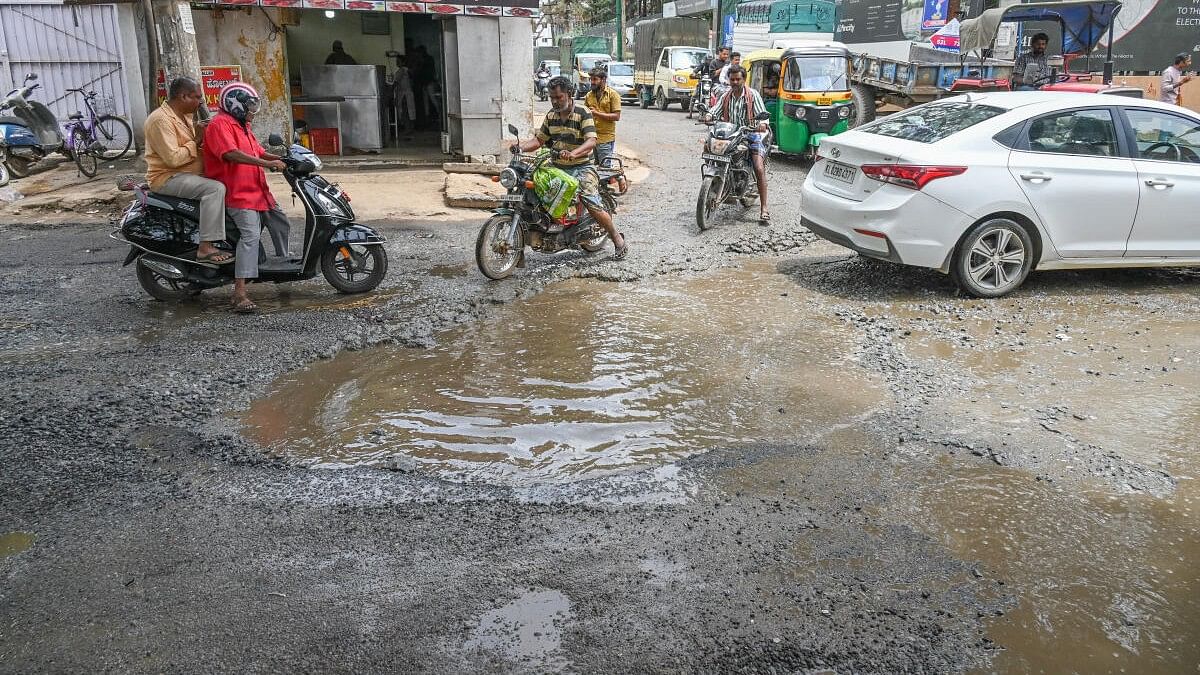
(570, 133)
(739, 106)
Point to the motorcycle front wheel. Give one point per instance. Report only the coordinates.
(495, 254)
(354, 268)
(5, 176)
(19, 166)
(707, 202)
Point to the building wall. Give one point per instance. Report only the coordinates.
(132, 25)
(250, 37)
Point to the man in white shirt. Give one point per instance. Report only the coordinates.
(1173, 78)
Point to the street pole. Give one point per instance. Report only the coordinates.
(176, 50)
(620, 6)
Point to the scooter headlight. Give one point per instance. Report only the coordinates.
(335, 209)
(509, 178)
(844, 111)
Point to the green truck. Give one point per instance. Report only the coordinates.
(579, 54)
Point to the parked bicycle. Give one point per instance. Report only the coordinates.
(98, 137)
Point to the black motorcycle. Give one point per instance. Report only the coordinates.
(522, 220)
(727, 172)
(700, 95)
(163, 232)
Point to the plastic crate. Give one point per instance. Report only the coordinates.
(324, 141)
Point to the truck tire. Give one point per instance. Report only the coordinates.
(686, 104)
(660, 100)
(643, 98)
(864, 104)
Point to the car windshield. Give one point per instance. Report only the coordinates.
(682, 60)
(815, 73)
(586, 63)
(555, 69)
(620, 69)
(932, 122)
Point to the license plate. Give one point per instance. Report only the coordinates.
(715, 158)
(841, 172)
(824, 101)
(515, 199)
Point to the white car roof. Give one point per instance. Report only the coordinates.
(1011, 100)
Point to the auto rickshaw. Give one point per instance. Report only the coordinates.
(806, 88)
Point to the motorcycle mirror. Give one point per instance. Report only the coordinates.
(514, 131)
(31, 77)
(275, 140)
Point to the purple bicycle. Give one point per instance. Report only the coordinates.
(98, 137)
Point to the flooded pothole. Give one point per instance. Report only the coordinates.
(528, 628)
(12, 543)
(585, 379)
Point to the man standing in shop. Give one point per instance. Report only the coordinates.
(339, 57)
(605, 105)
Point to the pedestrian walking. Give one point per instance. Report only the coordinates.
(1173, 79)
(605, 105)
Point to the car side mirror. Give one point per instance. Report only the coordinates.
(275, 140)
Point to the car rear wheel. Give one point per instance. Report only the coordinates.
(993, 259)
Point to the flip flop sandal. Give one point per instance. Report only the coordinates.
(764, 218)
(623, 251)
(211, 258)
(246, 306)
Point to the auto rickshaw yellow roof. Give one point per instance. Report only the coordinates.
(763, 54)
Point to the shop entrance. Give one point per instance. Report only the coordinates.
(378, 78)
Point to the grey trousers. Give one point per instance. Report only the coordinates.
(250, 224)
(212, 201)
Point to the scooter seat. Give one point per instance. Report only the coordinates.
(190, 207)
(12, 120)
(75, 116)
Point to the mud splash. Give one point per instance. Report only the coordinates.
(585, 379)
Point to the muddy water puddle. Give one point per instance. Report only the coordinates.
(12, 543)
(585, 379)
(1104, 583)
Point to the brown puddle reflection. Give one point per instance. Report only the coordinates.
(12, 543)
(1106, 583)
(586, 378)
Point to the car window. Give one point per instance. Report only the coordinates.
(1165, 136)
(620, 69)
(1078, 132)
(932, 122)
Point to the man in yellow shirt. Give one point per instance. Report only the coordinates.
(605, 106)
(174, 166)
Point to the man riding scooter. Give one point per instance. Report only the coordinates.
(739, 106)
(233, 156)
(541, 80)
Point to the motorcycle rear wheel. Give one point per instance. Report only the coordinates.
(343, 272)
(163, 288)
(494, 255)
(5, 176)
(707, 202)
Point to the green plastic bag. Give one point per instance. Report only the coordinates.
(556, 188)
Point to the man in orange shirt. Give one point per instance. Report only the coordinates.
(174, 166)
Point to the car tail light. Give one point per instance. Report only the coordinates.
(910, 175)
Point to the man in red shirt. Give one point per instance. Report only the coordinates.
(235, 158)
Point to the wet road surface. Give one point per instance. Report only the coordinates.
(789, 459)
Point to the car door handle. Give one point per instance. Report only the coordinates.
(1159, 184)
(1035, 177)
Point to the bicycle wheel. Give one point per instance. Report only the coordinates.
(85, 157)
(114, 134)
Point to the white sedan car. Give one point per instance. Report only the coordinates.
(990, 187)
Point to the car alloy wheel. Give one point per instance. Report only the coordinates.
(994, 258)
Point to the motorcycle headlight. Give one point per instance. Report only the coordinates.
(509, 178)
(844, 111)
(330, 205)
(717, 146)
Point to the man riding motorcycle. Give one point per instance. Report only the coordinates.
(740, 105)
(570, 132)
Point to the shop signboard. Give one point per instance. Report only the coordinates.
(212, 80)
(518, 9)
(690, 7)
